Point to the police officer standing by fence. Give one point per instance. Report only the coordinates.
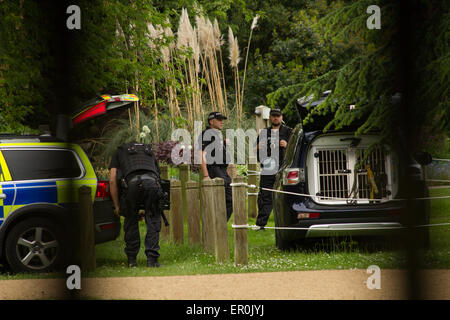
(270, 163)
(135, 167)
(215, 165)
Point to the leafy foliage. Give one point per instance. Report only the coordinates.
(22, 60)
(299, 48)
(372, 69)
(163, 151)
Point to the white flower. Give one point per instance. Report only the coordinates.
(143, 135)
(254, 22)
(145, 129)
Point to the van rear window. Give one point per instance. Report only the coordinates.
(42, 164)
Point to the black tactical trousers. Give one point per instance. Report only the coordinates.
(265, 204)
(221, 172)
(142, 194)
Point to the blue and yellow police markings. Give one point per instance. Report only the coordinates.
(68, 189)
(6, 190)
(35, 192)
(27, 193)
(55, 191)
(6, 203)
(60, 192)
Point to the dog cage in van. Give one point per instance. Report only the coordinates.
(338, 172)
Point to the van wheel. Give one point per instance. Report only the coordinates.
(282, 244)
(34, 245)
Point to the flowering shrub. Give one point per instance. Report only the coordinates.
(163, 151)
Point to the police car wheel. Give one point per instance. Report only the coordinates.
(34, 245)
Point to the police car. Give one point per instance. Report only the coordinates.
(39, 181)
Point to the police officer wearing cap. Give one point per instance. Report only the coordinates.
(140, 183)
(271, 162)
(215, 166)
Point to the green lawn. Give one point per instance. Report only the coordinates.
(265, 257)
(439, 254)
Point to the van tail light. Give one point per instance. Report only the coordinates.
(107, 226)
(102, 190)
(308, 215)
(291, 176)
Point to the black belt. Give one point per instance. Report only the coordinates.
(144, 176)
(224, 166)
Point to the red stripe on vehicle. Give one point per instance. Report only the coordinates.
(94, 111)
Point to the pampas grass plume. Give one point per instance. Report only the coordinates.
(234, 49)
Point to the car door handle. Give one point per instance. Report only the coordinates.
(2, 196)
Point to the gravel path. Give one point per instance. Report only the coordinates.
(294, 285)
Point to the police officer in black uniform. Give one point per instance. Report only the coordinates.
(140, 187)
(267, 179)
(212, 166)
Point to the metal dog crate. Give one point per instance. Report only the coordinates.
(336, 170)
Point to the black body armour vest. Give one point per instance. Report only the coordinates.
(137, 156)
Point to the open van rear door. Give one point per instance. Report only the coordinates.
(101, 105)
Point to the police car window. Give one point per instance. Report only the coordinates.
(41, 164)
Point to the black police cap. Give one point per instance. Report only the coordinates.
(216, 115)
(275, 112)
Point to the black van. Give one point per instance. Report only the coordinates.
(346, 191)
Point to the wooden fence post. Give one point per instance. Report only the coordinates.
(240, 218)
(252, 179)
(231, 170)
(260, 122)
(207, 215)
(261, 112)
(200, 177)
(86, 236)
(220, 221)
(193, 212)
(165, 231)
(184, 177)
(176, 215)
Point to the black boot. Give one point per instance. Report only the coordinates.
(153, 262)
(132, 262)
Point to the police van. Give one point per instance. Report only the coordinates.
(39, 181)
(349, 193)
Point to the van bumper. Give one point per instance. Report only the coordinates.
(353, 229)
(106, 224)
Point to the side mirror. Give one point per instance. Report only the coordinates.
(423, 158)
